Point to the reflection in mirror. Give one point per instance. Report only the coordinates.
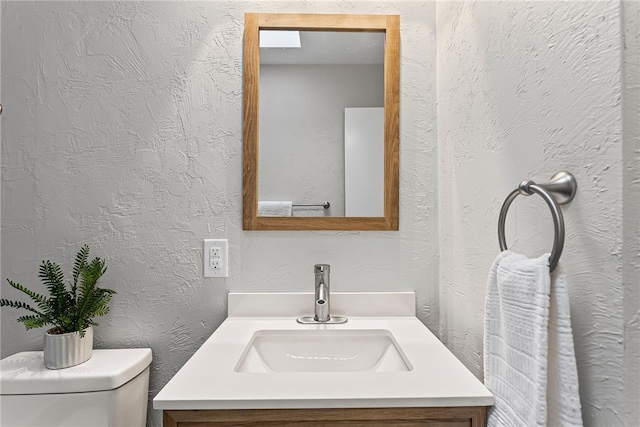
(321, 123)
(305, 91)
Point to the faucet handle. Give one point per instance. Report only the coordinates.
(321, 268)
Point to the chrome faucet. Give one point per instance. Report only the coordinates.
(322, 293)
(322, 272)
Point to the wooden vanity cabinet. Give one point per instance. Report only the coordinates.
(472, 416)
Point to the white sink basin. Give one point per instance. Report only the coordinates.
(261, 358)
(365, 350)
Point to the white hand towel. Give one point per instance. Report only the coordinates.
(529, 359)
(563, 397)
(270, 208)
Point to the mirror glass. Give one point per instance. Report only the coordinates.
(321, 122)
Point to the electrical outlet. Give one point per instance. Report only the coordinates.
(216, 258)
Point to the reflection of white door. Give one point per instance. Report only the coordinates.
(364, 161)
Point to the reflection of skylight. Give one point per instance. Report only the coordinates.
(275, 38)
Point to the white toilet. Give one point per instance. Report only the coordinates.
(110, 389)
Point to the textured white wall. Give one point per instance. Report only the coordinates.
(301, 142)
(631, 205)
(123, 130)
(525, 90)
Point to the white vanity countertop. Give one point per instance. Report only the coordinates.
(209, 380)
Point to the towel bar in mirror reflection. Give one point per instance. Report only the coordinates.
(325, 205)
(285, 156)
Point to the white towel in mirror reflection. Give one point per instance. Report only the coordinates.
(275, 208)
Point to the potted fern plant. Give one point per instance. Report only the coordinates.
(69, 309)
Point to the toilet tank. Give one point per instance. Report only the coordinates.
(108, 390)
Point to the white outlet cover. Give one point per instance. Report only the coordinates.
(209, 270)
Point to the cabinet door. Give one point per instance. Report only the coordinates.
(473, 416)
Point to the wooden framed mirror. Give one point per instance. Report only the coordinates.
(384, 218)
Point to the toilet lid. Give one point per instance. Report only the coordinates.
(24, 373)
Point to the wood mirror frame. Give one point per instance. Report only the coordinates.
(390, 25)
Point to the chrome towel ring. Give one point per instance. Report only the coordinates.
(558, 191)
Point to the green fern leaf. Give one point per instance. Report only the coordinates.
(53, 278)
(79, 265)
(43, 303)
(18, 304)
(88, 279)
(102, 310)
(33, 322)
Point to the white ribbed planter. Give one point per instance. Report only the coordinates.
(65, 350)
